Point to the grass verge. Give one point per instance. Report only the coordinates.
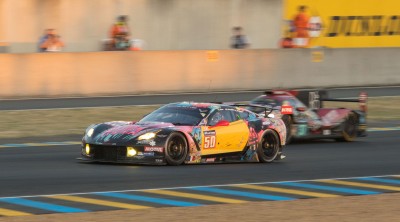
(33, 123)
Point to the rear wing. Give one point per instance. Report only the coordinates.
(267, 109)
(314, 99)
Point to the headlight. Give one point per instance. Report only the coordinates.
(90, 132)
(130, 151)
(147, 136)
(87, 149)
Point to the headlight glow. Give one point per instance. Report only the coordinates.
(87, 149)
(130, 151)
(147, 136)
(90, 132)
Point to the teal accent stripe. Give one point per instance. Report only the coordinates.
(380, 180)
(149, 199)
(42, 205)
(329, 188)
(241, 193)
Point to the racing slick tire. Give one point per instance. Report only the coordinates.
(349, 131)
(269, 147)
(176, 149)
(288, 120)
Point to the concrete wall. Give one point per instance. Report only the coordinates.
(162, 24)
(100, 73)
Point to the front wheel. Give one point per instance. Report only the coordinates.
(268, 147)
(176, 149)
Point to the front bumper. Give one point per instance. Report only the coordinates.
(118, 154)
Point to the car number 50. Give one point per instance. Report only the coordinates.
(209, 142)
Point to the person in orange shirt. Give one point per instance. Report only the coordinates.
(120, 34)
(300, 23)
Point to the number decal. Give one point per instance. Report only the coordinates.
(209, 142)
(209, 139)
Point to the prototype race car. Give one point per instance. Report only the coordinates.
(188, 132)
(314, 121)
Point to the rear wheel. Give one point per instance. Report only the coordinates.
(288, 120)
(268, 148)
(350, 127)
(176, 149)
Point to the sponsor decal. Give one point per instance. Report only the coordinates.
(287, 110)
(148, 154)
(154, 149)
(266, 122)
(161, 135)
(210, 160)
(371, 25)
(326, 132)
(142, 142)
(158, 160)
(151, 143)
(209, 139)
(195, 159)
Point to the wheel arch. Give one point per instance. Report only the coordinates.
(274, 131)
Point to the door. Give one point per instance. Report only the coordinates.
(222, 138)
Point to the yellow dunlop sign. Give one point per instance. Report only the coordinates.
(342, 23)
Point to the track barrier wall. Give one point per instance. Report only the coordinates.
(113, 73)
(161, 24)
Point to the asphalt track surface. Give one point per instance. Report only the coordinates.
(129, 100)
(54, 169)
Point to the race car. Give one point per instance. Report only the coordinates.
(188, 133)
(314, 121)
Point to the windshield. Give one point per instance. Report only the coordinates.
(177, 115)
(264, 101)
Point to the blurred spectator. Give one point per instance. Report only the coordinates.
(53, 43)
(43, 39)
(120, 34)
(287, 42)
(300, 23)
(239, 40)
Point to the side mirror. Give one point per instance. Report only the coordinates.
(301, 109)
(222, 123)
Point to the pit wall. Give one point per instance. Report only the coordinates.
(112, 73)
(161, 24)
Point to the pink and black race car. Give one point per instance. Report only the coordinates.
(190, 133)
(313, 121)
